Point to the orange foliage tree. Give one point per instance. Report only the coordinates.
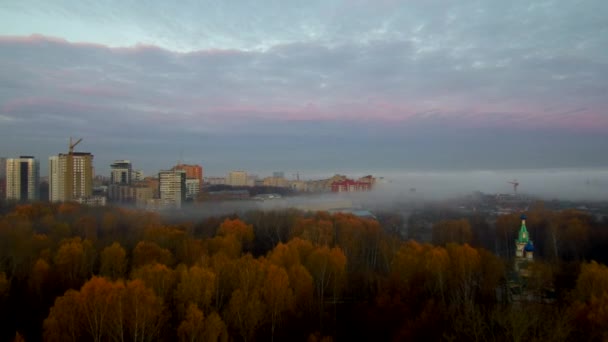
(113, 261)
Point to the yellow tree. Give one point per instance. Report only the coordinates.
(437, 263)
(147, 252)
(4, 285)
(287, 256)
(408, 270)
(303, 287)
(39, 275)
(70, 261)
(318, 230)
(196, 327)
(327, 267)
(197, 286)
(87, 227)
(277, 294)
(592, 281)
(158, 277)
(98, 297)
(106, 310)
(464, 274)
(240, 230)
(65, 321)
(113, 261)
(452, 231)
(226, 274)
(143, 311)
(246, 310)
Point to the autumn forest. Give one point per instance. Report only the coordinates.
(77, 273)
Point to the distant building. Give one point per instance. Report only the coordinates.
(276, 182)
(297, 185)
(120, 193)
(137, 175)
(121, 172)
(349, 185)
(70, 183)
(236, 178)
(192, 171)
(193, 188)
(367, 180)
(22, 178)
(228, 195)
(94, 201)
(524, 247)
(151, 183)
(323, 185)
(278, 174)
(252, 180)
(215, 180)
(2, 178)
(142, 196)
(172, 188)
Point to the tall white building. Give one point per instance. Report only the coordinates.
(237, 178)
(68, 184)
(172, 188)
(22, 177)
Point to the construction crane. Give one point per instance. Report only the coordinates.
(69, 170)
(515, 184)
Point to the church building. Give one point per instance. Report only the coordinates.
(524, 247)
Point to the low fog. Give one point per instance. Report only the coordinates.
(416, 188)
(546, 184)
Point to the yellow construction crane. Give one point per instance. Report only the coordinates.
(69, 170)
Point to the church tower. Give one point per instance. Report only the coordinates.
(524, 247)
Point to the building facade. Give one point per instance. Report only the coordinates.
(121, 172)
(22, 179)
(70, 183)
(193, 188)
(237, 178)
(279, 182)
(2, 178)
(192, 171)
(172, 188)
(137, 175)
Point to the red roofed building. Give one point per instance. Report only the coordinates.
(192, 171)
(349, 185)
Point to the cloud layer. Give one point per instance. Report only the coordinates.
(377, 76)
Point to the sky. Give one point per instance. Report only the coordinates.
(309, 87)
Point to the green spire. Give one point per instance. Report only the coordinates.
(524, 237)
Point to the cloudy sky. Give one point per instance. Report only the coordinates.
(308, 86)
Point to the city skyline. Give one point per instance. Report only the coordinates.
(342, 86)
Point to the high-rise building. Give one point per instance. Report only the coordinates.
(192, 171)
(22, 178)
(172, 188)
(236, 178)
(68, 184)
(121, 172)
(137, 175)
(193, 188)
(278, 174)
(2, 178)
